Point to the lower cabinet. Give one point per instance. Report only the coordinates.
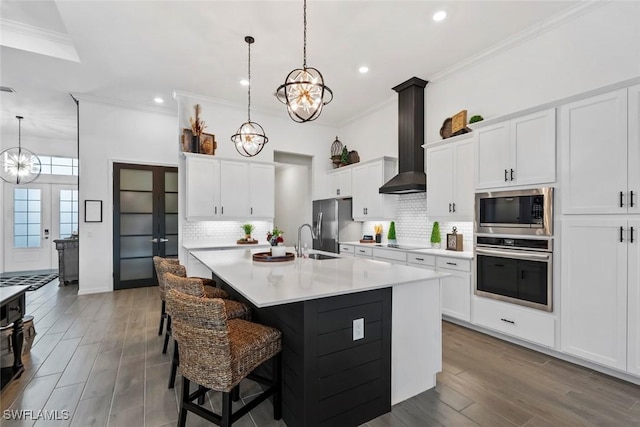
(390, 255)
(524, 323)
(363, 252)
(347, 250)
(600, 280)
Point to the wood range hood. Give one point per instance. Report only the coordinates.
(411, 177)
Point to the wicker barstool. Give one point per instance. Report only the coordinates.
(218, 352)
(172, 266)
(194, 286)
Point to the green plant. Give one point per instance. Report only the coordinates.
(247, 228)
(344, 157)
(391, 234)
(475, 119)
(435, 233)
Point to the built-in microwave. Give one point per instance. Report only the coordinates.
(521, 212)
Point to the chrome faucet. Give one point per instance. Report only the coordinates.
(313, 236)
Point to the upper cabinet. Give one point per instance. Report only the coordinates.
(339, 181)
(520, 151)
(601, 153)
(368, 204)
(218, 189)
(450, 174)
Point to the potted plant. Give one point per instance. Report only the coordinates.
(435, 235)
(391, 235)
(274, 237)
(247, 228)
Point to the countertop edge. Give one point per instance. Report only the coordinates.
(427, 251)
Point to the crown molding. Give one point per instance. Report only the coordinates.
(122, 104)
(30, 38)
(561, 18)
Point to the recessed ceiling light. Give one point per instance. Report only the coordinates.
(439, 16)
(364, 69)
(158, 100)
(244, 82)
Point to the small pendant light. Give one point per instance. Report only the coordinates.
(19, 165)
(304, 92)
(250, 138)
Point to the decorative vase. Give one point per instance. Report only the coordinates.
(378, 238)
(392, 241)
(195, 144)
(435, 245)
(278, 251)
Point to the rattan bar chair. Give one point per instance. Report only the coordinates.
(194, 286)
(218, 352)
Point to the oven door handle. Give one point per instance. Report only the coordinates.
(514, 254)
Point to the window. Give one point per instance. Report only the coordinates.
(68, 212)
(26, 221)
(59, 166)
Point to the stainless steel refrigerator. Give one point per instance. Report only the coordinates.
(333, 221)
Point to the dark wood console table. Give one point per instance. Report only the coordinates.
(12, 309)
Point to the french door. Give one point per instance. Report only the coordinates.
(145, 221)
(35, 215)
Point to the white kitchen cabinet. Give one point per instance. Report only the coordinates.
(595, 275)
(633, 300)
(450, 175)
(362, 252)
(202, 188)
(594, 155)
(347, 250)
(262, 191)
(219, 189)
(368, 204)
(234, 189)
(393, 256)
(520, 151)
(339, 182)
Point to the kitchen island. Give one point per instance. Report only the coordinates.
(358, 335)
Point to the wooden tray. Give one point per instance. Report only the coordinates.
(245, 242)
(367, 241)
(266, 257)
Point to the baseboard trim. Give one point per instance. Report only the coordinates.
(94, 291)
(547, 350)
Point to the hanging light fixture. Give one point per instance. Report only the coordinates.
(304, 92)
(19, 165)
(250, 138)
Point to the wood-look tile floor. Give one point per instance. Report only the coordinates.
(99, 357)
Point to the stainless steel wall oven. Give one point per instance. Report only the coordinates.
(516, 270)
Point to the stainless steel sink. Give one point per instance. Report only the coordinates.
(321, 256)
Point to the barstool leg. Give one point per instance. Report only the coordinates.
(201, 398)
(235, 393)
(166, 335)
(182, 420)
(226, 410)
(277, 379)
(162, 316)
(174, 364)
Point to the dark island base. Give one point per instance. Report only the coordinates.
(329, 379)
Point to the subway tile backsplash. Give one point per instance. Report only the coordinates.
(413, 225)
(222, 231)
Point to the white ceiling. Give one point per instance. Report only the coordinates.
(132, 51)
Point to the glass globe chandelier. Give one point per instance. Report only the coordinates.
(304, 92)
(250, 138)
(19, 165)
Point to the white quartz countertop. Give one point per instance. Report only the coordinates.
(224, 245)
(417, 249)
(267, 284)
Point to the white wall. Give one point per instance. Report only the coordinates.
(592, 50)
(111, 134)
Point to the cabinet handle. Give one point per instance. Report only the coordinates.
(337, 191)
(451, 263)
(449, 207)
(251, 211)
(419, 259)
(621, 205)
(454, 207)
(222, 210)
(215, 210)
(505, 176)
(511, 174)
(508, 321)
(631, 239)
(14, 309)
(631, 198)
(621, 236)
(361, 251)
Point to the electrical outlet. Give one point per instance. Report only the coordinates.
(358, 329)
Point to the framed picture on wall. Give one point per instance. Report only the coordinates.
(93, 211)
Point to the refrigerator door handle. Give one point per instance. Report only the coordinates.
(319, 229)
